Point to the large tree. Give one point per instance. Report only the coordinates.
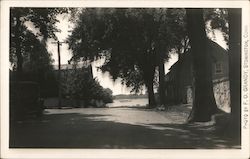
(43, 19)
(204, 105)
(228, 21)
(133, 42)
(235, 68)
(35, 56)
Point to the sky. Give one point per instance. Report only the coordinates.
(105, 80)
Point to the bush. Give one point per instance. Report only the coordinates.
(78, 84)
(107, 95)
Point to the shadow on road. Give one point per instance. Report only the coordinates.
(75, 130)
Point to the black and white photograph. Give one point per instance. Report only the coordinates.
(122, 77)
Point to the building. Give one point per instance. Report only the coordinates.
(179, 79)
(66, 68)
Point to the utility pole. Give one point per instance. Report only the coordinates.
(59, 72)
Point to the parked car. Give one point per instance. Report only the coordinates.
(25, 100)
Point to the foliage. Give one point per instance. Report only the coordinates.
(131, 40)
(106, 95)
(37, 62)
(30, 61)
(218, 19)
(35, 55)
(79, 84)
(28, 46)
(43, 19)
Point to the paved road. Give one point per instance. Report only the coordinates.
(116, 128)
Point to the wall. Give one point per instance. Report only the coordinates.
(221, 94)
(180, 78)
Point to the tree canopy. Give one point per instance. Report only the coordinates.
(218, 19)
(44, 19)
(24, 41)
(35, 55)
(131, 41)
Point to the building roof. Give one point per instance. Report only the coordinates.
(71, 66)
(217, 51)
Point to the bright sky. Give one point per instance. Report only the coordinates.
(105, 79)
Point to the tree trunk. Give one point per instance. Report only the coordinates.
(18, 47)
(151, 95)
(162, 81)
(235, 69)
(148, 68)
(204, 105)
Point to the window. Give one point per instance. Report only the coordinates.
(218, 68)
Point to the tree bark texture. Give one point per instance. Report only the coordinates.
(151, 95)
(235, 68)
(162, 81)
(204, 105)
(148, 66)
(148, 75)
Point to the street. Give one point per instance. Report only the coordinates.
(125, 127)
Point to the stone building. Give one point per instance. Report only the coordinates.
(179, 79)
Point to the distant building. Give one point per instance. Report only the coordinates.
(66, 68)
(179, 80)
